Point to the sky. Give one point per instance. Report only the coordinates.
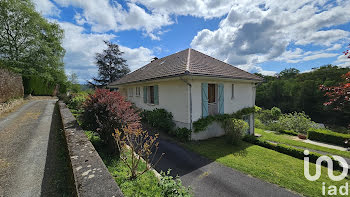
(259, 36)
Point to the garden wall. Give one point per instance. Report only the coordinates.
(91, 176)
(10, 85)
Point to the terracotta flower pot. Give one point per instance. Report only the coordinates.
(301, 136)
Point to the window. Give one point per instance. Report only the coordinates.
(138, 91)
(211, 93)
(150, 94)
(130, 92)
(233, 91)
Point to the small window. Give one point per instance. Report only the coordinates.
(138, 91)
(130, 92)
(233, 91)
(211, 93)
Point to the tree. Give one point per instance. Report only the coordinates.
(29, 44)
(289, 73)
(111, 66)
(74, 83)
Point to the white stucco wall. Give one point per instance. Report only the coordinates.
(173, 96)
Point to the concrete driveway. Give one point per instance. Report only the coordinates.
(24, 136)
(207, 178)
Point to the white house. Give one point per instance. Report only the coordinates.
(191, 85)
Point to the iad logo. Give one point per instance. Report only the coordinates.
(332, 189)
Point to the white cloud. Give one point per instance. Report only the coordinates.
(342, 61)
(334, 47)
(82, 47)
(198, 8)
(258, 31)
(104, 16)
(46, 8)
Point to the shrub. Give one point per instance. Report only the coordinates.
(298, 122)
(258, 124)
(171, 187)
(37, 85)
(183, 134)
(235, 129)
(159, 119)
(274, 126)
(76, 101)
(141, 144)
(328, 136)
(105, 111)
(275, 113)
(288, 132)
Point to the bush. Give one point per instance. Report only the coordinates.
(328, 136)
(159, 119)
(171, 187)
(183, 134)
(76, 100)
(235, 129)
(267, 116)
(258, 124)
(274, 126)
(105, 111)
(288, 132)
(298, 122)
(38, 86)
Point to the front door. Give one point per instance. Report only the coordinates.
(212, 99)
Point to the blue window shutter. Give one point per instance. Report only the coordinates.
(221, 98)
(145, 94)
(204, 99)
(156, 95)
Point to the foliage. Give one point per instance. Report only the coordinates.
(111, 66)
(267, 116)
(77, 100)
(328, 136)
(158, 119)
(290, 140)
(38, 86)
(275, 126)
(141, 145)
(339, 96)
(265, 164)
(30, 44)
(183, 134)
(171, 187)
(288, 132)
(298, 122)
(73, 83)
(258, 124)
(300, 92)
(105, 111)
(202, 123)
(235, 129)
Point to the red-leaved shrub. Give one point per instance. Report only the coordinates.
(107, 110)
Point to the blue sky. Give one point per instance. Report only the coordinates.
(262, 36)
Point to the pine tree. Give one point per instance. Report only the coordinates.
(111, 66)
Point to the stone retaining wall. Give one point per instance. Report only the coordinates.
(91, 176)
(10, 85)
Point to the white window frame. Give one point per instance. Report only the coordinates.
(138, 91)
(130, 92)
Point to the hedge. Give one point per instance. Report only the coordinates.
(38, 86)
(288, 132)
(328, 136)
(289, 150)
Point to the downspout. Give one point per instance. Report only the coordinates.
(187, 72)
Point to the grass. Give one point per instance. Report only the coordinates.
(144, 185)
(263, 163)
(287, 139)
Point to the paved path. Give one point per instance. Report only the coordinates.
(207, 178)
(24, 136)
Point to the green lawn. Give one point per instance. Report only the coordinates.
(265, 164)
(287, 139)
(144, 185)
